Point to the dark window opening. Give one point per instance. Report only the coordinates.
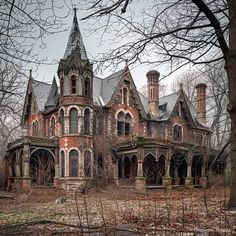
(119, 128)
(73, 121)
(62, 164)
(62, 120)
(73, 85)
(87, 121)
(87, 87)
(125, 96)
(73, 163)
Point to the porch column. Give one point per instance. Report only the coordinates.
(167, 179)
(203, 179)
(26, 176)
(189, 178)
(140, 181)
(18, 172)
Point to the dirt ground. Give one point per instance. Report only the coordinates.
(113, 211)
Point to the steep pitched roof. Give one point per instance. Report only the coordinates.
(41, 92)
(53, 97)
(75, 40)
(103, 89)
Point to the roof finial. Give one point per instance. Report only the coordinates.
(126, 62)
(180, 86)
(30, 75)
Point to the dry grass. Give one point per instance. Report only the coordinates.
(152, 213)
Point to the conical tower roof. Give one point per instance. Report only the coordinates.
(75, 40)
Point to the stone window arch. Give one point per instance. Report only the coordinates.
(124, 122)
(73, 121)
(177, 133)
(87, 121)
(62, 121)
(62, 163)
(73, 159)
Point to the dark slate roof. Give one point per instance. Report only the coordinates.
(166, 105)
(41, 91)
(103, 89)
(75, 40)
(53, 97)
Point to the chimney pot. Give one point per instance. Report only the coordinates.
(201, 103)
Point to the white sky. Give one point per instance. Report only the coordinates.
(55, 49)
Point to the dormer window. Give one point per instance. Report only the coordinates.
(73, 85)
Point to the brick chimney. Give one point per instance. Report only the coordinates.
(153, 92)
(201, 103)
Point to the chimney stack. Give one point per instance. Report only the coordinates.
(201, 103)
(153, 92)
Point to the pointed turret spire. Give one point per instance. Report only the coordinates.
(75, 40)
(53, 96)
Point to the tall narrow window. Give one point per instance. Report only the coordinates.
(73, 156)
(87, 164)
(73, 121)
(73, 85)
(87, 87)
(62, 87)
(62, 164)
(53, 124)
(87, 121)
(127, 124)
(120, 123)
(62, 120)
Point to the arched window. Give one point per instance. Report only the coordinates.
(73, 157)
(177, 133)
(87, 164)
(62, 87)
(53, 124)
(73, 121)
(128, 120)
(73, 85)
(87, 87)
(124, 124)
(87, 121)
(120, 123)
(62, 121)
(62, 163)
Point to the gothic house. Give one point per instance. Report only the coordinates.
(94, 128)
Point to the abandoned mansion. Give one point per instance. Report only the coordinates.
(90, 128)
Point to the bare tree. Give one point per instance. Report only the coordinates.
(25, 25)
(178, 32)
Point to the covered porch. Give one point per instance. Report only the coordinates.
(32, 161)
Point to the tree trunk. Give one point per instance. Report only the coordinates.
(230, 67)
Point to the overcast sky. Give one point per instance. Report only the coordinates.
(56, 45)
